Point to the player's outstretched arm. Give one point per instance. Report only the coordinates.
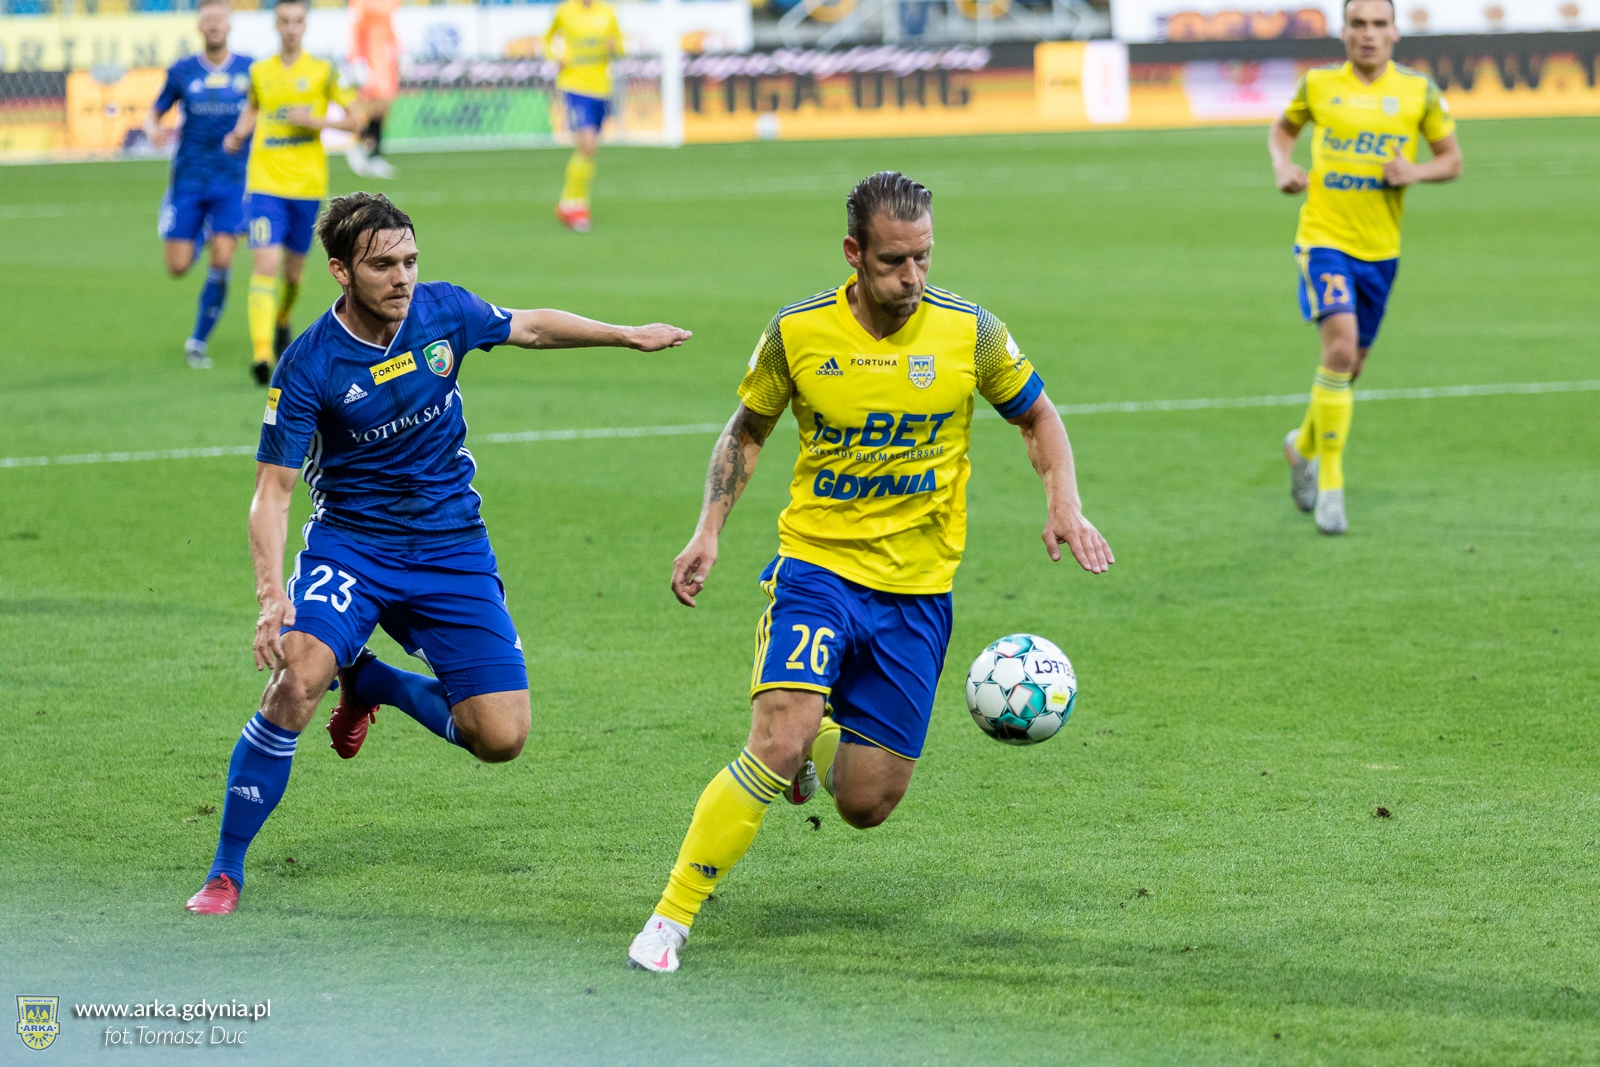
(548, 328)
(269, 530)
(1445, 166)
(1289, 175)
(1051, 455)
(733, 461)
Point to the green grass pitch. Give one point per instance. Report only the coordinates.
(1190, 873)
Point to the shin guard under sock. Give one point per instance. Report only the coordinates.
(257, 777)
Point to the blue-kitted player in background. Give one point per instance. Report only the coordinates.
(205, 191)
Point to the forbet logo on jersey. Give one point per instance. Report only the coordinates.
(38, 1020)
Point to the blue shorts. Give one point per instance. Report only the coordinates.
(277, 220)
(585, 112)
(1333, 283)
(446, 606)
(875, 656)
(196, 214)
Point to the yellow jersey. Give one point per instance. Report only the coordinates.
(287, 160)
(880, 489)
(589, 36)
(1359, 128)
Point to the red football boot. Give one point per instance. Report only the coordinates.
(219, 896)
(348, 727)
(574, 215)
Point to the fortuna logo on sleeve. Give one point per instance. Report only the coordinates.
(439, 358)
(393, 368)
(271, 417)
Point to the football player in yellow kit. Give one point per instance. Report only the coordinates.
(590, 37)
(288, 174)
(880, 373)
(1369, 115)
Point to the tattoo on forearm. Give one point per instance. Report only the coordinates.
(730, 467)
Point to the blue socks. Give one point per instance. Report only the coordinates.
(417, 695)
(257, 777)
(212, 297)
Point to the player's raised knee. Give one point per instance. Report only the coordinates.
(495, 725)
(865, 812)
(499, 748)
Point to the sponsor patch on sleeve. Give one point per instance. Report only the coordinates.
(271, 416)
(404, 363)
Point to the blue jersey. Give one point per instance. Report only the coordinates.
(212, 98)
(381, 430)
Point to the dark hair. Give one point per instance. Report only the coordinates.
(279, 3)
(350, 218)
(887, 192)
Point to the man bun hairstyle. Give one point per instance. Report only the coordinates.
(344, 226)
(887, 192)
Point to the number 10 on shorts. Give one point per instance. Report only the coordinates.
(819, 651)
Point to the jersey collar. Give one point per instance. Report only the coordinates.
(205, 64)
(1349, 71)
(854, 324)
(334, 311)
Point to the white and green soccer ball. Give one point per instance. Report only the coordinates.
(1021, 689)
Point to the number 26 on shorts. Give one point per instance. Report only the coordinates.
(340, 599)
(1335, 290)
(819, 651)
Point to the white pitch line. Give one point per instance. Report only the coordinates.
(1126, 407)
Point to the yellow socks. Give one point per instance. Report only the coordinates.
(263, 314)
(287, 293)
(823, 749)
(580, 175)
(1305, 442)
(725, 823)
(1332, 403)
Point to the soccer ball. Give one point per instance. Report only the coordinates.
(1021, 689)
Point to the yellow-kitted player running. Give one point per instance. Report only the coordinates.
(589, 37)
(1369, 115)
(288, 174)
(880, 373)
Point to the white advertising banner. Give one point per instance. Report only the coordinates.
(446, 32)
(1105, 82)
(1220, 92)
(443, 32)
(1210, 20)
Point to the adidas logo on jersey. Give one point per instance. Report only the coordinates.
(830, 369)
(355, 393)
(248, 792)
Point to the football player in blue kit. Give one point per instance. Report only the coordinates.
(367, 399)
(205, 191)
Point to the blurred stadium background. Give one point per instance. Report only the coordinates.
(76, 76)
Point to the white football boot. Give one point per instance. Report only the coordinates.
(356, 156)
(1330, 512)
(656, 947)
(194, 353)
(805, 784)
(1302, 473)
(378, 167)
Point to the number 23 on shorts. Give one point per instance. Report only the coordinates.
(340, 598)
(819, 651)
